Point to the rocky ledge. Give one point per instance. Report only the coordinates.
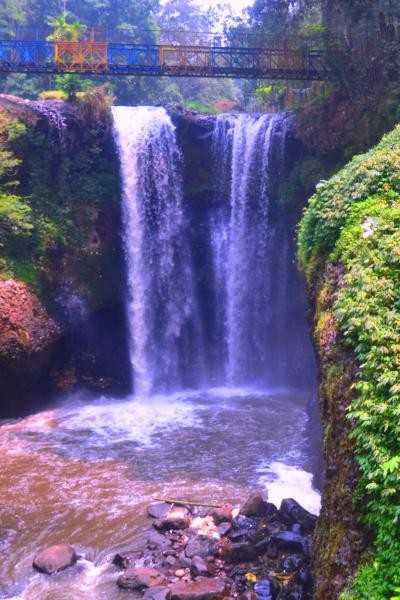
(193, 552)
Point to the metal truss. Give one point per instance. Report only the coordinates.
(94, 57)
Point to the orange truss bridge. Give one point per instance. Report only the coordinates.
(164, 59)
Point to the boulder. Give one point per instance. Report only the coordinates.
(140, 578)
(157, 593)
(201, 589)
(55, 558)
(177, 518)
(200, 567)
(158, 510)
(290, 542)
(255, 506)
(237, 553)
(201, 546)
(219, 515)
(291, 513)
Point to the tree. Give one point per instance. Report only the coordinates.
(71, 83)
(64, 31)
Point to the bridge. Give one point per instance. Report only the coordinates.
(202, 58)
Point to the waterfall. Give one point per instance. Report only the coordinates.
(224, 308)
(249, 152)
(165, 336)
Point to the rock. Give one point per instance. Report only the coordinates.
(291, 512)
(292, 563)
(124, 560)
(266, 589)
(55, 558)
(239, 535)
(290, 542)
(158, 510)
(201, 589)
(242, 522)
(157, 540)
(255, 506)
(305, 578)
(184, 561)
(180, 573)
(200, 546)
(140, 578)
(177, 518)
(201, 568)
(157, 593)
(170, 560)
(223, 529)
(219, 515)
(236, 553)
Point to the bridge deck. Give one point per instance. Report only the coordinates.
(94, 57)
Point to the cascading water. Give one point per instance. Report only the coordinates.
(250, 253)
(162, 315)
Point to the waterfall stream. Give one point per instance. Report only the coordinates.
(161, 306)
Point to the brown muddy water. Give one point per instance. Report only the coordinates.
(84, 471)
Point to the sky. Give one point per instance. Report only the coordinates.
(237, 5)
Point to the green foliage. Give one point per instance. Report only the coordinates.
(370, 173)
(71, 84)
(64, 31)
(15, 214)
(354, 220)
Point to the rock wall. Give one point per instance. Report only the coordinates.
(72, 261)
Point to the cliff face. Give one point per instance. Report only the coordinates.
(349, 244)
(72, 259)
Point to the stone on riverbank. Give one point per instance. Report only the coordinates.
(177, 518)
(55, 558)
(291, 512)
(201, 589)
(140, 578)
(255, 506)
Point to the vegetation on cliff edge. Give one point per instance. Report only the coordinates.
(353, 221)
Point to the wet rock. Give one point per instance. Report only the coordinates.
(236, 553)
(255, 506)
(55, 558)
(242, 522)
(177, 518)
(201, 589)
(200, 567)
(266, 589)
(222, 514)
(290, 542)
(157, 593)
(291, 512)
(200, 546)
(123, 560)
(239, 535)
(140, 578)
(157, 540)
(158, 510)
